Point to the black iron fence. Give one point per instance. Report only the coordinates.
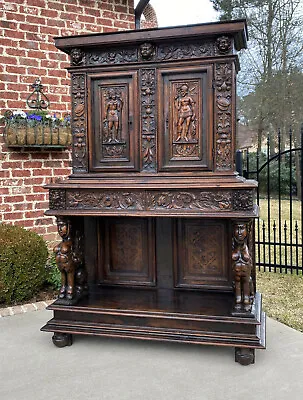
(279, 170)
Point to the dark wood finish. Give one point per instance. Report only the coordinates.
(156, 227)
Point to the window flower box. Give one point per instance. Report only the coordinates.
(36, 129)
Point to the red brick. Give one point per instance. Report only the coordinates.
(15, 17)
(42, 205)
(14, 33)
(13, 69)
(14, 199)
(86, 18)
(109, 14)
(35, 197)
(36, 54)
(15, 104)
(13, 216)
(34, 214)
(6, 208)
(19, 156)
(32, 19)
(104, 22)
(29, 10)
(55, 5)
(32, 164)
(20, 172)
(121, 24)
(7, 42)
(8, 60)
(9, 164)
(49, 13)
(31, 62)
(23, 206)
(26, 223)
(16, 52)
(19, 87)
(29, 28)
(29, 44)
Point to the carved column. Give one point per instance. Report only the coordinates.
(242, 265)
(70, 261)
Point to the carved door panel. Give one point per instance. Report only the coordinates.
(185, 123)
(127, 251)
(201, 258)
(113, 125)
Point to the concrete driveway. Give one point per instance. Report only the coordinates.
(32, 368)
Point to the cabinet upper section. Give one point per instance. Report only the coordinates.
(155, 101)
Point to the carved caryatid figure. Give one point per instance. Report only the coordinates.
(113, 107)
(242, 265)
(66, 259)
(185, 106)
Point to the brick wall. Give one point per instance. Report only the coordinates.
(27, 28)
(149, 18)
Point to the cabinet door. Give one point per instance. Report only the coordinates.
(113, 129)
(185, 123)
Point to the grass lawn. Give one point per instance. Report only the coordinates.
(282, 296)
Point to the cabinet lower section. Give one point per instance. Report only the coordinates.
(162, 314)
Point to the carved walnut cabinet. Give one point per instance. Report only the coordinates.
(157, 229)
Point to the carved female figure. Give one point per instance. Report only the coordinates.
(65, 259)
(185, 106)
(112, 112)
(242, 264)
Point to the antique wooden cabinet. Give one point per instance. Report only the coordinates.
(157, 229)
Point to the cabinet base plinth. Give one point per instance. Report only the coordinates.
(157, 318)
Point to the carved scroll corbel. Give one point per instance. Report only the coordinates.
(242, 266)
(69, 259)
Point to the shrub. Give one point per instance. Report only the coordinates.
(53, 278)
(23, 256)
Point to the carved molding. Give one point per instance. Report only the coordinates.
(148, 118)
(112, 56)
(243, 200)
(79, 124)
(147, 200)
(57, 199)
(180, 51)
(104, 200)
(194, 200)
(224, 44)
(223, 117)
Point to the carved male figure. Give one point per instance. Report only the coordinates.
(112, 111)
(185, 106)
(242, 265)
(65, 259)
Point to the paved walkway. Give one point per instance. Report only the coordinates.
(32, 368)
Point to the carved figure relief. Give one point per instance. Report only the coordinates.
(184, 119)
(113, 143)
(223, 85)
(242, 266)
(243, 200)
(147, 51)
(112, 112)
(79, 130)
(69, 259)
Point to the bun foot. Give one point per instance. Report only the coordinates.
(62, 339)
(244, 356)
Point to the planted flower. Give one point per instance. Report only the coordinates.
(36, 128)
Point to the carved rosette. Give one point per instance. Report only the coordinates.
(243, 200)
(242, 265)
(195, 200)
(148, 118)
(79, 123)
(223, 117)
(57, 199)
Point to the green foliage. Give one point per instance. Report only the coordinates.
(23, 256)
(285, 186)
(53, 278)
